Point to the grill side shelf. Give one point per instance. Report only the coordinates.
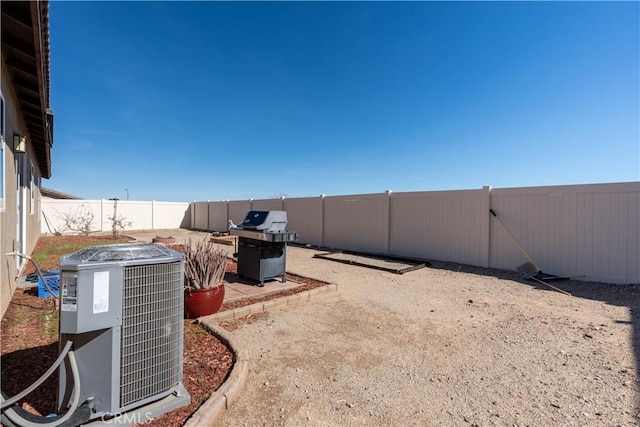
(284, 236)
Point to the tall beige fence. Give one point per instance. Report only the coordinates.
(142, 215)
(579, 229)
(587, 229)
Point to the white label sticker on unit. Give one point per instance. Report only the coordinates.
(69, 307)
(100, 292)
(69, 292)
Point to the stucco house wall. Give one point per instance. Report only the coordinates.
(25, 101)
(9, 218)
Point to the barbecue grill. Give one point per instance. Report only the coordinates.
(262, 245)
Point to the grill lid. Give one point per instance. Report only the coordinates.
(266, 221)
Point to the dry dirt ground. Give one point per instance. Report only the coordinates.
(447, 345)
(439, 346)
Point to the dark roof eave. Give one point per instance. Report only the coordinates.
(48, 192)
(26, 49)
(42, 144)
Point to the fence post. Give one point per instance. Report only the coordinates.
(226, 204)
(102, 214)
(485, 238)
(193, 214)
(388, 229)
(322, 220)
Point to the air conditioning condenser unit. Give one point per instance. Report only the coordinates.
(122, 306)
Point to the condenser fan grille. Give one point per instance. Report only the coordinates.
(119, 252)
(152, 330)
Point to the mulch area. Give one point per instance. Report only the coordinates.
(29, 335)
(29, 345)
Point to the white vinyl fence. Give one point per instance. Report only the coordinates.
(141, 215)
(591, 229)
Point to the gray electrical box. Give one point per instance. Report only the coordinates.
(90, 299)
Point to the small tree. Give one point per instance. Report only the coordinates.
(118, 222)
(78, 221)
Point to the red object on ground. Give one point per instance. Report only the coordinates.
(203, 302)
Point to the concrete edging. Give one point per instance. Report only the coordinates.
(228, 392)
(269, 305)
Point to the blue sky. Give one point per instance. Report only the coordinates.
(183, 101)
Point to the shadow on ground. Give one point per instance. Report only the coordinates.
(22, 368)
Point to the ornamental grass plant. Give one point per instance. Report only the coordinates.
(204, 266)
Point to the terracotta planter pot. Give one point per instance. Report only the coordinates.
(203, 302)
(164, 240)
